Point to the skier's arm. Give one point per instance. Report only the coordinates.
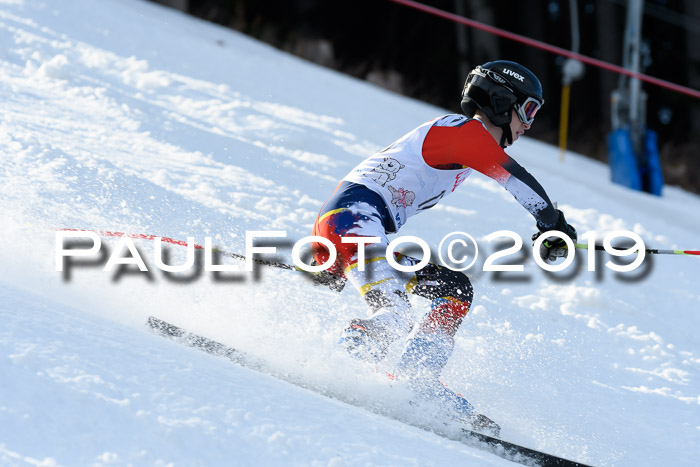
(469, 145)
(529, 193)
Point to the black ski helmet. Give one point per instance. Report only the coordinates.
(499, 86)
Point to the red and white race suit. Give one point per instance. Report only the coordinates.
(430, 162)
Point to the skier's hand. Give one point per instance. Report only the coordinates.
(554, 247)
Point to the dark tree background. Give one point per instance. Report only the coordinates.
(427, 58)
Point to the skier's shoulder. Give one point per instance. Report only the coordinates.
(459, 126)
(460, 133)
(450, 120)
(455, 121)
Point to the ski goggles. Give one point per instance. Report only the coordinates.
(527, 110)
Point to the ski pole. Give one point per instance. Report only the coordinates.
(172, 241)
(326, 278)
(649, 251)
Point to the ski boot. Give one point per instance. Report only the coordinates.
(420, 366)
(363, 341)
(369, 339)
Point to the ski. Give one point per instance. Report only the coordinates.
(515, 452)
(506, 450)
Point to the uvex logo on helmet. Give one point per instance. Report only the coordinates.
(515, 75)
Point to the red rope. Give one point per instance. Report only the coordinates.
(549, 48)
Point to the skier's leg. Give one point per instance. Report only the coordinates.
(352, 212)
(383, 289)
(430, 347)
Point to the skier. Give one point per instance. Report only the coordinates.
(499, 100)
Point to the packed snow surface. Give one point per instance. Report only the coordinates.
(124, 116)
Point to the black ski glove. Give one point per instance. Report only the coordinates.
(555, 247)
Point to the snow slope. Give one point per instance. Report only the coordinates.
(125, 116)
